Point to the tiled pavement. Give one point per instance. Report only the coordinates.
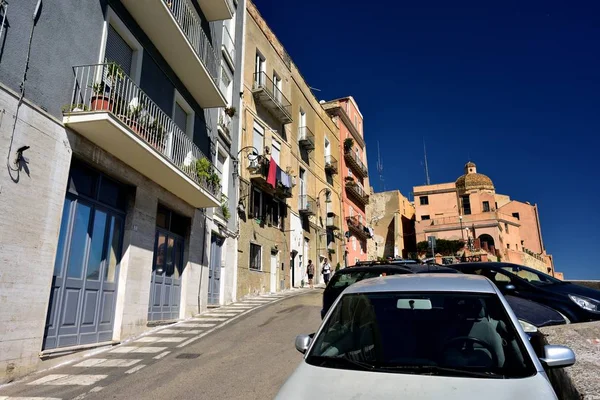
(88, 375)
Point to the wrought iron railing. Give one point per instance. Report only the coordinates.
(306, 138)
(331, 164)
(225, 122)
(307, 204)
(191, 24)
(354, 160)
(105, 88)
(262, 81)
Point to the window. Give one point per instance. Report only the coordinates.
(260, 68)
(277, 87)
(255, 257)
(425, 217)
(258, 138)
(276, 151)
(506, 227)
(466, 205)
(486, 206)
(424, 200)
(516, 215)
(508, 245)
(223, 170)
(496, 204)
(226, 82)
(183, 115)
(351, 212)
(121, 47)
(274, 213)
(302, 120)
(256, 203)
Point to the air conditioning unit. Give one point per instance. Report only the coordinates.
(253, 165)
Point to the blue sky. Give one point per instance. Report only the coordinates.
(513, 86)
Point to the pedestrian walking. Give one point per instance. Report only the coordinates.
(326, 271)
(310, 271)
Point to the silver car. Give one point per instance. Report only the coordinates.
(426, 336)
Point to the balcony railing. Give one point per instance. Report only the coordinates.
(354, 162)
(229, 46)
(306, 139)
(354, 188)
(307, 205)
(331, 164)
(271, 97)
(259, 173)
(357, 227)
(224, 124)
(190, 23)
(104, 88)
(333, 222)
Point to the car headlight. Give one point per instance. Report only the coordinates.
(586, 303)
(527, 327)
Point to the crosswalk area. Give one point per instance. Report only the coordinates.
(82, 378)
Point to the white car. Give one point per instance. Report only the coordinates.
(443, 336)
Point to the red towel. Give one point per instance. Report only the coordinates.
(271, 180)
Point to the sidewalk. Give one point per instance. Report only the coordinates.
(83, 375)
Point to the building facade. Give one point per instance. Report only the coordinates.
(471, 210)
(354, 176)
(392, 217)
(290, 200)
(120, 131)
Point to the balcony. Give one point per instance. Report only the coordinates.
(112, 112)
(331, 164)
(354, 162)
(333, 222)
(175, 28)
(228, 47)
(306, 139)
(356, 190)
(224, 124)
(307, 205)
(259, 173)
(357, 228)
(270, 96)
(216, 10)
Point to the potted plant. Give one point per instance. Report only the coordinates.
(214, 180)
(203, 169)
(157, 134)
(230, 111)
(348, 144)
(100, 101)
(69, 108)
(133, 117)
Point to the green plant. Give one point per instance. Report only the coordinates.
(158, 131)
(98, 89)
(225, 211)
(67, 108)
(230, 111)
(203, 168)
(348, 144)
(114, 70)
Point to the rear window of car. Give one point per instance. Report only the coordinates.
(346, 279)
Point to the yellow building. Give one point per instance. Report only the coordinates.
(290, 203)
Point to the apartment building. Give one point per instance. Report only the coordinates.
(119, 122)
(290, 199)
(392, 217)
(355, 175)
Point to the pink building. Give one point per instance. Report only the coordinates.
(355, 176)
(470, 209)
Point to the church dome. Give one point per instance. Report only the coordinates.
(472, 180)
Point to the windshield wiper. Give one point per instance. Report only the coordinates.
(435, 370)
(323, 360)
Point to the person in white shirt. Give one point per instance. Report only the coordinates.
(326, 271)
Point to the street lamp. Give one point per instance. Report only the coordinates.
(252, 156)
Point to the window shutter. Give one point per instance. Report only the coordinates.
(118, 51)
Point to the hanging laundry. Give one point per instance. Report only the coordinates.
(285, 180)
(271, 177)
(371, 232)
(278, 175)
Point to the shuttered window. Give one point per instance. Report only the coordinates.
(118, 51)
(180, 117)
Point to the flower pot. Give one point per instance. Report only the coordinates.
(101, 103)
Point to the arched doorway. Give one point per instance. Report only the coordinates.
(485, 238)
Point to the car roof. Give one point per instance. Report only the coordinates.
(425, 283)
(489, 265)
(414, 268)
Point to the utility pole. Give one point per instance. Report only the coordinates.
(380, 169)
(426, 166)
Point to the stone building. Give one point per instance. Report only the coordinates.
(470, 209)
(392, 218)
(290, 200)
(119, 159)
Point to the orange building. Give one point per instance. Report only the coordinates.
(354, 175)
(471, 210)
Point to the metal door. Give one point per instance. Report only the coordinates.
(165, 285)
(82, 299)
(214, 271)
(273, 273)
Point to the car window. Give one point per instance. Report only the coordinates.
(346, 279)
(411, 332)
(531, 276)
(500, 278)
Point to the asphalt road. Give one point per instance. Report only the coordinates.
(248, 359)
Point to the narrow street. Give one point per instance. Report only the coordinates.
(248, 356)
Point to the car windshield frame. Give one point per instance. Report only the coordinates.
(512, 362)
(376, 271)
(542, 278)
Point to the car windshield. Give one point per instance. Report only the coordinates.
(531, 275)
(455, 334)
(345, 279)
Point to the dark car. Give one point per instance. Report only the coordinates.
(365, 270)
(576, 303)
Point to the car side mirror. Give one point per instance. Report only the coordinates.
(510, 287)
(557, 356)
(303, 342)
